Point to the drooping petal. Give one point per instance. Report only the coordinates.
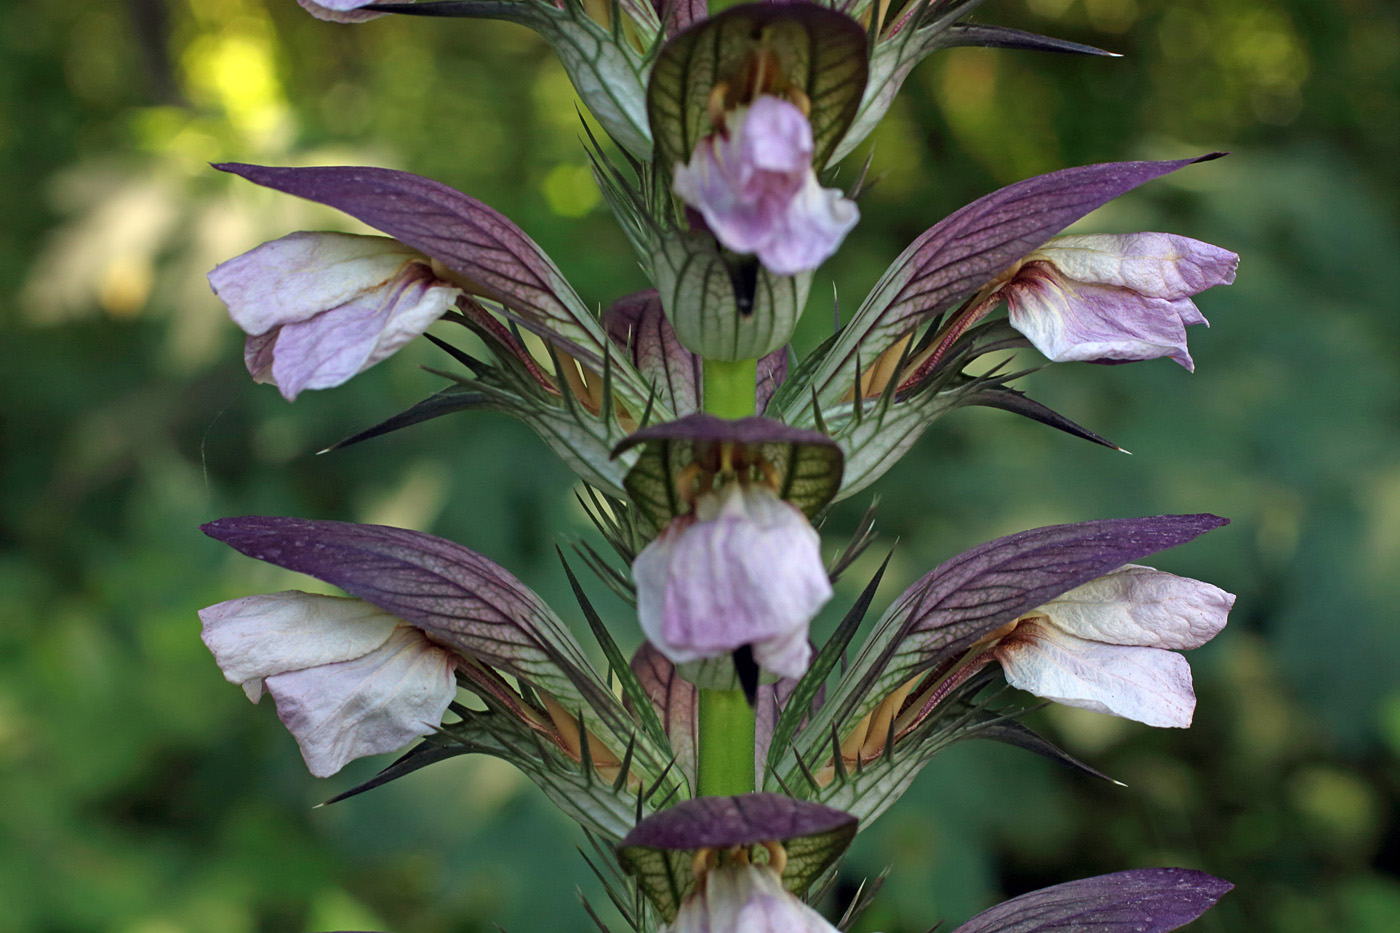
(255, 637)
(1068, 321)
(332, 347)
(747, 571)
(367, 706)
(1149, 685)
(1138, 605)
(1115, 297)
(321, 307)
(1145, 900)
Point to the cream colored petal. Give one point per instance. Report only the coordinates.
(1137, 605)
(1150, 685)
(258, 636)
(373, 704)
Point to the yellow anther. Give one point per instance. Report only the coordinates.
(777, 856)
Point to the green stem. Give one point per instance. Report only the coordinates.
(730, 387)
(725, 719)
(726, 725)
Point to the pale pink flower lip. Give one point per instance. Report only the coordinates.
(1108, 645)
(1115, 297)
(758, 193)
(745, 570)
(349, 680)
(319, 308)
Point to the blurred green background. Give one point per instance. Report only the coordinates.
(143, 794)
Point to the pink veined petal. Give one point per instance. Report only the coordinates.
(815, 222)
(758, 192)
(776, 137)
(1069, 321)
(746, 571)
(1149, 685)
(260, 636)
(1138, 605)
(1157, 265)
(302, 274)
(341, 342)
(374, 704)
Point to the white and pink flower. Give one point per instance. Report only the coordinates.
(745, 569)
(319, 308)
(755, 186)
(1111, 298)
(1110, 645)
(349, 680)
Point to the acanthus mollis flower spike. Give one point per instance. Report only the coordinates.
(595, 396)
(736, 863)
(737, 563)
(885, 717)
(594, 753)
(921, 28)
(877, 385)
(1145, 900)
(319, 308)
(745, 108)
(607, 68)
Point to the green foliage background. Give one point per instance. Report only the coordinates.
(141, 793)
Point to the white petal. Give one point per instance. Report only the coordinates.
(1141, 606)
(1158, 265)
(333, 346)
(259, 636)
(746, 899)
(300, 275)
(1150, 685)
(374, 704)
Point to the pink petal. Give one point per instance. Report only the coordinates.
(747, 898)
(1069, 321)
(300, 275)
(1142, 606)
(758, 193)
(746, 571)
(374, 704)
(1150, 685)
(1157, 265)
(339, 343)
(259, 636)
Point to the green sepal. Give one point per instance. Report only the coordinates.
(724, 306)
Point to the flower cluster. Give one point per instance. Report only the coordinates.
(740, 756)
